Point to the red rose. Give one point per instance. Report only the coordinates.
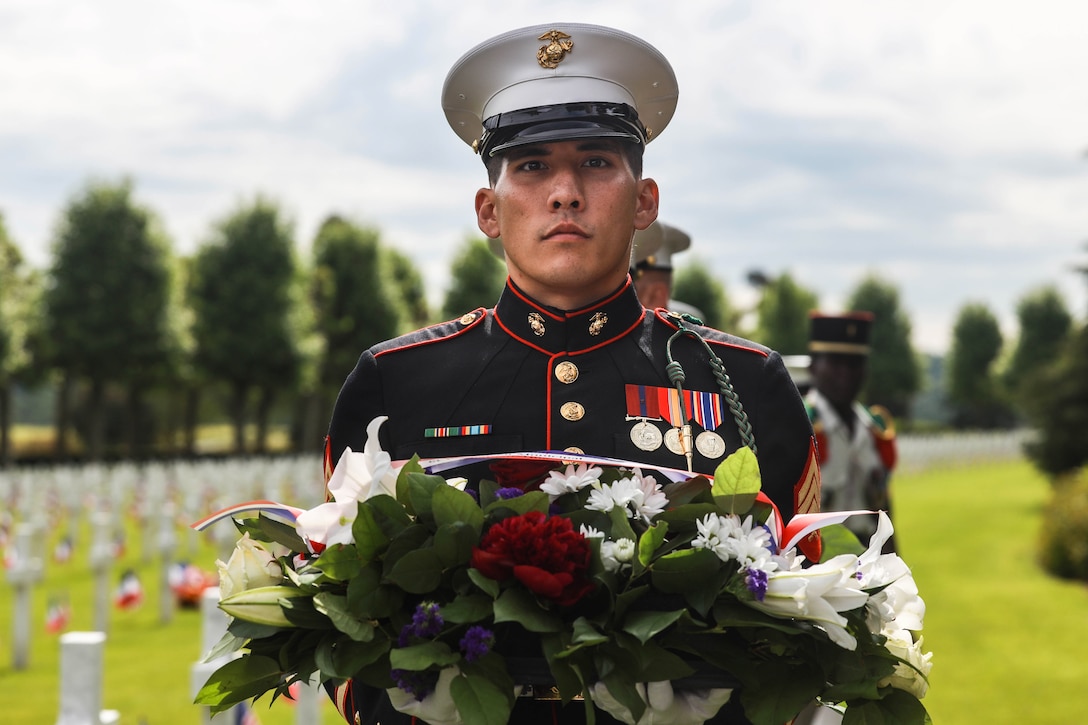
(524, 474)
(545, 554)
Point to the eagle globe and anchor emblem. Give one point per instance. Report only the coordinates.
(552, 54)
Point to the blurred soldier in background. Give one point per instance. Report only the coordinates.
(855, 443)
(652, 270)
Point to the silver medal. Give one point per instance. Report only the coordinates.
(646, 436)
(710, 444)
(672, 441)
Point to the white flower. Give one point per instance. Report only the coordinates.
(357, 477)
(905, 677)
(898, 604)
(733, 540)
(639, 495)
(589, 532)
(617, 554)
(251, 566)
(818, 593)
(572, 481)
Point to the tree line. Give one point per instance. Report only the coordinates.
(142, 345)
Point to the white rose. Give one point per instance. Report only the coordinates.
(251, 566)
(901, 644)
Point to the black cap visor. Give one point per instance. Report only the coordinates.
(566, 122)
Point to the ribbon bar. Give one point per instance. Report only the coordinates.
(455, 431)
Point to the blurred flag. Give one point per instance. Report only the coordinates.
(57, 615)
(130, 593)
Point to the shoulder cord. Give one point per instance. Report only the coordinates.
(676, 375)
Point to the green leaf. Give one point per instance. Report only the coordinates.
(422, 656)
(281, 533)
(335, 607)
(682, 571)
(584, 633)
(467, 608)
(453, 543)
(421, 488)
(650, 541)
(302, 613)
(417, 572)
(518, 605)
(737, 481)
(487, 585)
(452, 506)
(337, 657)
(239, 680)
(389, 515)
(479, 700)
(645, 625)
(897, 707)
(340, 562)
(370, 540)
(837, 539)
(531, 501)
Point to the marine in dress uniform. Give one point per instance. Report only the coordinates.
(528, 376)
(855, 443)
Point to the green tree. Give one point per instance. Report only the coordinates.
(242, 293)
(694, 284)
(1056, 402)
(1045, 323)
(107, 303)
(477, 277)
(409, 283)
(18, 292)
(894, 374)
(972, 383)
(783, 315)
(355, 303)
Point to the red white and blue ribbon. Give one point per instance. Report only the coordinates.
(283, 511)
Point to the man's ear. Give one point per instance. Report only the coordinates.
(647, 203)
(486, 215)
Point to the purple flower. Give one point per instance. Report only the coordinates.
(756, 581)
(476, 643)
(426, 621)
(508, 492)
(419, 684)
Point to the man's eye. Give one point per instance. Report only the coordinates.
(597, 162)
(532, 166)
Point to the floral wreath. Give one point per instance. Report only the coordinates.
(616, 583)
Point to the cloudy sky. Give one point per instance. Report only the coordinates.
(940, 145)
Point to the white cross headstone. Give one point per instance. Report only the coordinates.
(25, 571)
(81, 680)
(101, 565)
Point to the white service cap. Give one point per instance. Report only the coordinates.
(559, 82)
(659, 256)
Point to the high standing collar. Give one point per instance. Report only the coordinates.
(572, 332)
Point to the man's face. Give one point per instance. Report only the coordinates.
(839, 377)
(566, 212)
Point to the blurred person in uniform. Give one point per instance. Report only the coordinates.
(569, 359)
(652, 270)
(855, 443)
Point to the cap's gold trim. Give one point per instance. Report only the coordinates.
(845, 348)
(552, 54)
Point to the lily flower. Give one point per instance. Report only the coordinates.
(818, 594)
(357, 477)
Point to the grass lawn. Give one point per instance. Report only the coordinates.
(1007, 640)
